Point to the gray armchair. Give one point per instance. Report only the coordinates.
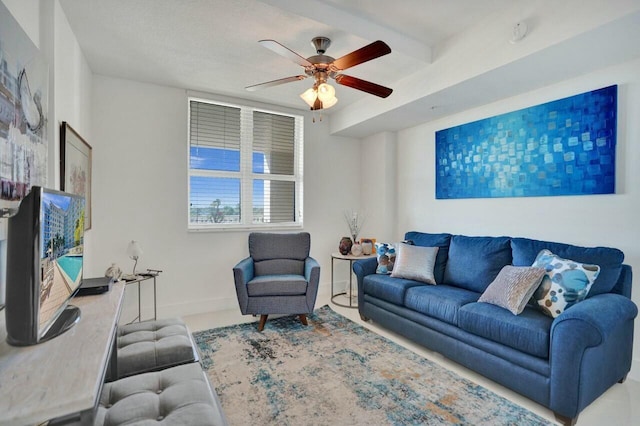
(278, 277)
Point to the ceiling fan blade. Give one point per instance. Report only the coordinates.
(365, 86)
(286, 52)
(364, 54)
(275, 82)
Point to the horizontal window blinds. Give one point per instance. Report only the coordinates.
(245, 166)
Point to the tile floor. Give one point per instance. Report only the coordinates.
(619, 406)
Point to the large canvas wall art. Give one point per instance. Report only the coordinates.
(563, 147)
(24, 89)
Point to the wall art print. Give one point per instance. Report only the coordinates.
(24, 91)
(563, 147)
(75, 167)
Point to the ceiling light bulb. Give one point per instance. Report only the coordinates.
(329, 103)
(309, 96)
(326, 92)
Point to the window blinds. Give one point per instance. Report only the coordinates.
(245, 166)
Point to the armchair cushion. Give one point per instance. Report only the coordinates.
(277, 285)
(279, 253)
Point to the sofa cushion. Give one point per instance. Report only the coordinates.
(474, 262)
(433, 240)
(513, 287)
(528, 332)
(609, 259)
(386, 288)
(565, 283)
(441, 302)
(415, 263)
(277, 285)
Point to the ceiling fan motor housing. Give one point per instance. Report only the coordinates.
(321, 44)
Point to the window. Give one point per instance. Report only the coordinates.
(245, 167)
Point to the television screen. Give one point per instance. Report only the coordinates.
(44, 265)
(61, 252)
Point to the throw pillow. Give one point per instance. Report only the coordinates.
(565, 283)
(386, 254)
(513, 287)
(415, 263)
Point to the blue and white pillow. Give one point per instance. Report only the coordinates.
(386, 254)
(564, 284)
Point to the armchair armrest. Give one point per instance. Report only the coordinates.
(591, 349)
(312, 275)
(243, 272)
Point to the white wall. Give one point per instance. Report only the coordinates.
(69, 78)
(378, 186)
(139, 138)
(606, 220)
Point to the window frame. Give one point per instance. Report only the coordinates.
(246, 174)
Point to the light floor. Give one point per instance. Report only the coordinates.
(620, 405)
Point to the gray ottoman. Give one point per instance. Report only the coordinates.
(179, 395)
(153, 345)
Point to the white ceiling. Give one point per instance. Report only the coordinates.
(212, 46)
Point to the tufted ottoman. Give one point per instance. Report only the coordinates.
(179, 395)
(153, 345)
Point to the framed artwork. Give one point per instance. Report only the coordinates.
(75, 167)
(24, 101)
(562, 147)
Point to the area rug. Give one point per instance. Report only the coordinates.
(336, 372)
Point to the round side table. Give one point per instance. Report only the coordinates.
(350, 258)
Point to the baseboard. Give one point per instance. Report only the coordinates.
(210, 305)
(197, 307)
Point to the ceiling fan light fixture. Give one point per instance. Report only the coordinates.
(309, 96)
(329, 103)
(326, 92)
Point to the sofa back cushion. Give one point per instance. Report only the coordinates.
(608, 259)
(441, 241)
(474, 262)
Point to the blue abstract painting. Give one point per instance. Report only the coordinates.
(563, 147)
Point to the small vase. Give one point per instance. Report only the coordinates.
(356, 249)
(367, 247)
(345, 245)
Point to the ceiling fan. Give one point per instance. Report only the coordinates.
(322, 67)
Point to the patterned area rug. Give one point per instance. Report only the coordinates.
(336, 372)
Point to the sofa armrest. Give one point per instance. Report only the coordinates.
(243, 272)
(591, 349)
(362, 268)
(365, 267)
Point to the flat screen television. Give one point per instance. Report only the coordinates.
(44, 265)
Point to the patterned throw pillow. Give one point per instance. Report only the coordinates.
(386, 254)
(415, 263)
(513, 287)
(565, 282)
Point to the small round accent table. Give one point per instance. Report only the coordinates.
(351, 258)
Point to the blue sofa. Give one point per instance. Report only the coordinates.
(563, 363)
